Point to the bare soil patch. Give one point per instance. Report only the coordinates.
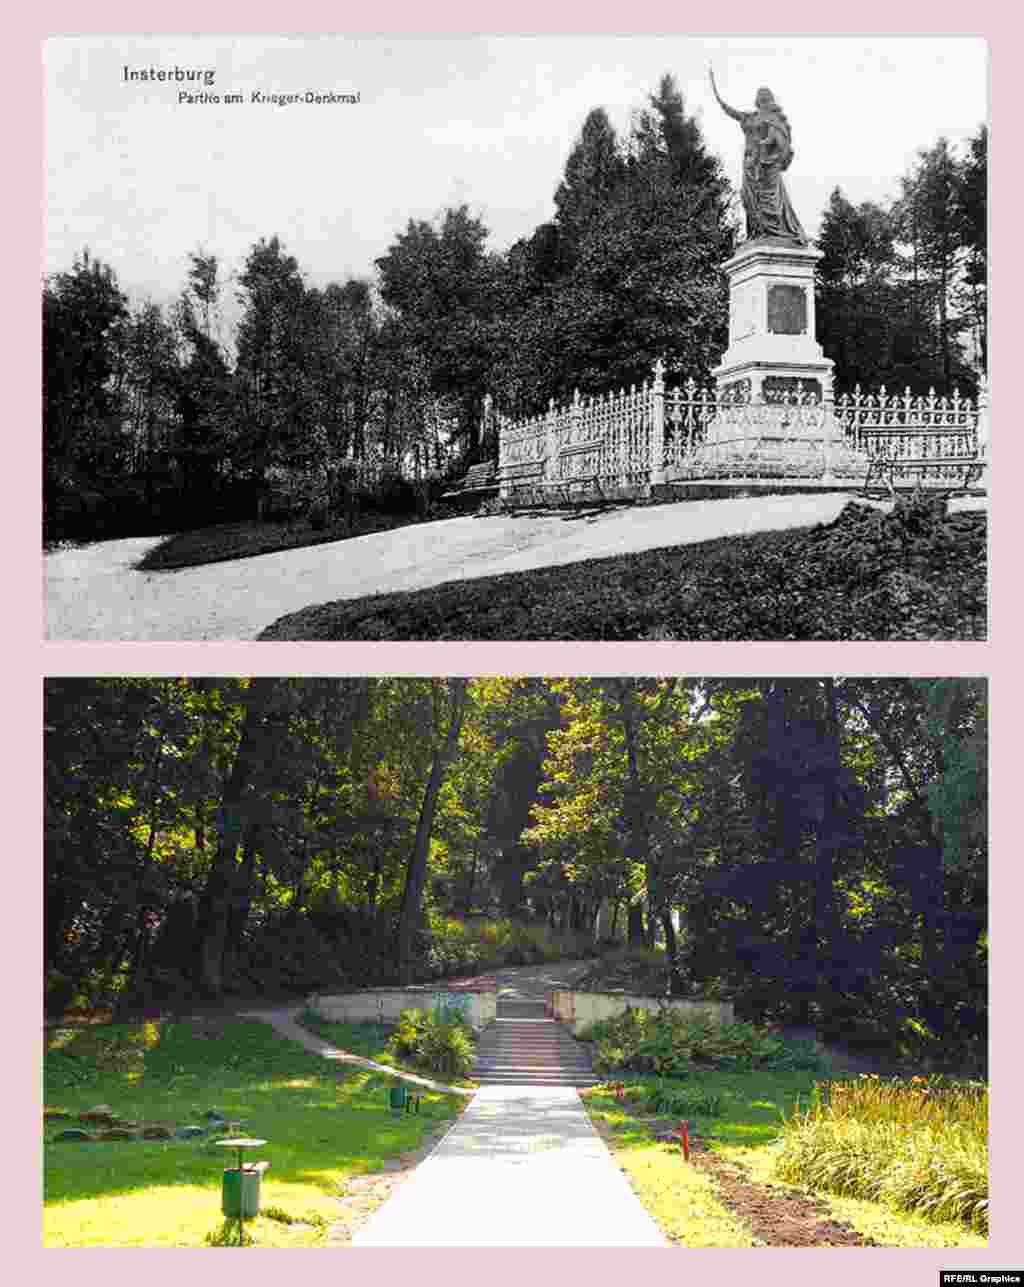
(775, 1216)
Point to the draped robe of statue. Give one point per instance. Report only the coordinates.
(768, 153)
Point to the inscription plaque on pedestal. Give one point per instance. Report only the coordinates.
(787, 310)
(778, 388)
(737, 391)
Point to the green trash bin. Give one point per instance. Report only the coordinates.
(240, 1195)
(396, 1098)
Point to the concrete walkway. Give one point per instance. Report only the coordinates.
(95, 593)
(522, 1167)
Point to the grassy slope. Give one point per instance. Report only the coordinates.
(682, 1199)
(323, 1124)
(865, 576)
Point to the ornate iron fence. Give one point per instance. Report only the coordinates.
(925, 438)
(629, 440)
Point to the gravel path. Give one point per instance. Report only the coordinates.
(95, 593)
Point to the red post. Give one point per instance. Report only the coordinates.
(684, 1139)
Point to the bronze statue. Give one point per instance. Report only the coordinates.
(768, 152)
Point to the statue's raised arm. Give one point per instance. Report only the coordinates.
(731, 111)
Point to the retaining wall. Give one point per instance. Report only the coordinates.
(386, 1004)
(578, 1010)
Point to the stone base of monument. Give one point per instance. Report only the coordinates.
(759, 442)
(774, 384)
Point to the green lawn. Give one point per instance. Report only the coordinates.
(745, 1131)
(323, 1124)
(868, 575)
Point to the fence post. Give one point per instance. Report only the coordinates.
(656, 464)
(504, 485)
(551, 460)
(983, 428)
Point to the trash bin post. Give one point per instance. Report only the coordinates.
(248, 1194)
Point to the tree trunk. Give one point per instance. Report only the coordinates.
(416, 871)
(238, 910)
(635, 922)
(638, 843)
(670, 937)
(215, 900)
(472, 878)
(824, 877)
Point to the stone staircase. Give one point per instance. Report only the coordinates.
(524, 1047)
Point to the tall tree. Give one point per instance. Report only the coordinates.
(84, 314)
(972, 208)
(416, 871)
(244, 779)
(204, 386)
(928, 219)
(272, 367)
(438, 280)
(630, 270)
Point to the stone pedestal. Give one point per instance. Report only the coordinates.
(774, 398)
(771, 323)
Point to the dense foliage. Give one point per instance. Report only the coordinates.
(814, 849)
(913, 573)
(677, 1045)
(902, 288)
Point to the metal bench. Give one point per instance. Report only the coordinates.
(884, 468)
(482, 477)
(584, 480)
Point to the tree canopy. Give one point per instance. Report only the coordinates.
(814, 847)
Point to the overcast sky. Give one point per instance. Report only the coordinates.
(143, 180)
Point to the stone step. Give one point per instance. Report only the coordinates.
(531, 1057)
(526, 1047)
(540, 1052)
(522, 1079)
(553, 1043)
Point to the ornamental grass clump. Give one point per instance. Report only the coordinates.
(920, 1146)
(441, 1042)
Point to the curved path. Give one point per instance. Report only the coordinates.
(95, 593)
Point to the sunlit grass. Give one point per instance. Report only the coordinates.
(748, 1129)
(323, 1125)
(680, 1198)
